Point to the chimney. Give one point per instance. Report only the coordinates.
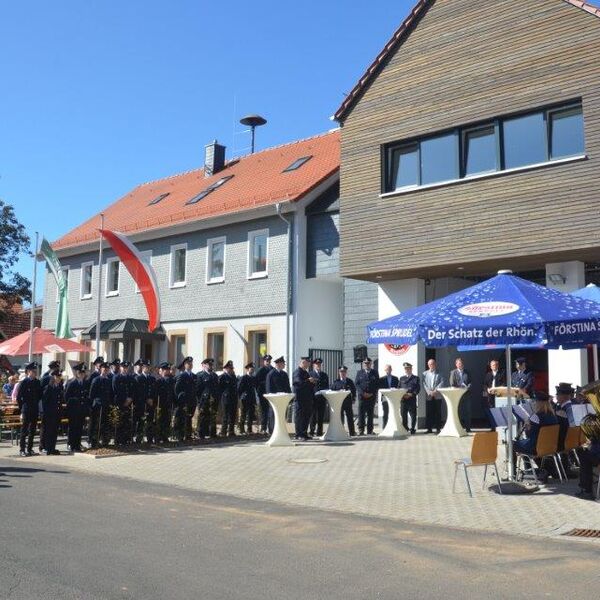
(214, 158)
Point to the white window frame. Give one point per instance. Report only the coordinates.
(144, 253)
(114, 292)
(82, 295)
(252, 235)
(209, 245)
(174, 248)
(65, 270)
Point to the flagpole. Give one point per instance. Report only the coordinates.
(32, 317)
(99, 305)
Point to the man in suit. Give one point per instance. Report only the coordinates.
(28, 399)
(319, 401)
(53, 365)
(51, 405)
(96, 372)
(461, 378)
(77, 398)
(208, 395)
(124, 394)
(304, 385)
(343, 382)
(388, 381)
(277, 381)
(367, 384)
(246, 388)
(185, 399)
(522, 379)
(494, 378)
(229, 399)
(432, 380)
(165, 401)
(145, 402)
(101, 399)
(408, 404)
(261, 382)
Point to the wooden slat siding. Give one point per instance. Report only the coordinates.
(466, 62)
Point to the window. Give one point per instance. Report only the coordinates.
(439, 159)
(405, 167)
(512, 142)
(566, 127)
(65, 274)
(209, 189)
(178, 265)
(158, 199)
(147, 260)
(112, 276)
(87, 270)
(480, 150)
(257, 253)
(178, 348)
(297, 164)
(215, 348)
(215, 260)
(525, 141)
(257, 344)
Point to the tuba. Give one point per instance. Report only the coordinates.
(590, 425)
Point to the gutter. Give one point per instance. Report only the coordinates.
(288, 311)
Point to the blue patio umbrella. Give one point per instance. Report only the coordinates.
(591, 292)
(505, 310)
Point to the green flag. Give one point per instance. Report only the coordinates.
(63, 329)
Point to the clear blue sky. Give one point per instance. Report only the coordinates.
(98, 96)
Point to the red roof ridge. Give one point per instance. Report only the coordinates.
(398, 37)
(235, 159)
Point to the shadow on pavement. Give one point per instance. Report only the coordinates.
(20, 472)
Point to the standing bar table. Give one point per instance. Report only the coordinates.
(394, 429)
(335, 431)
(452, 396)
(280, 435)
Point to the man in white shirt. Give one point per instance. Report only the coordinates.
(432, 380)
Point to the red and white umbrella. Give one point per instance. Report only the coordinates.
(44, 342)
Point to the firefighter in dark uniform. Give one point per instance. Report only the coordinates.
(319, 401)
(51, 405)
(345, 383)
(367, 383)
(247, 394)
(207, 392)
(165, 401)
(101, 400)
(77, 398)
(304, 384)
(229, 399)
(185, 394)
(28, 399)
(408, 404)
(522, 379)
(261, 388)
(123, 415)
(277, 381)
(96, 372)
(115, 368)
(52, 366)
(145, 403)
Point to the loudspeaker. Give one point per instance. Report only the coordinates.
(360, 353)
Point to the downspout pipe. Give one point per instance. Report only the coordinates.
(288, 312)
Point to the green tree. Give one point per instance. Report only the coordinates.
(13, 242)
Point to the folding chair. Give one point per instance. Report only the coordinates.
(546, 447)
(573, 442)
(484, 453)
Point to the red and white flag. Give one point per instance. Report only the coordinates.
(143, 274)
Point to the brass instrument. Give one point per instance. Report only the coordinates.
(590, 425)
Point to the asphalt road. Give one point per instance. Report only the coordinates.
(69, 535)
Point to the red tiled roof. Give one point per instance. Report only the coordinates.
(398, 37)
(258, 180)
(15, 321)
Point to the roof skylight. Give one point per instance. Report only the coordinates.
(211, 188)
(297, 163)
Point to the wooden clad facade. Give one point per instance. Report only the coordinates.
(464, 62)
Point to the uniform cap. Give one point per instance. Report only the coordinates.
(520, 360)
(250, 365)
(343, 368)
(407, 364)
(279, 360)
(138, 362)
(565, 388)
(55, 364)
(267, 357)
(318, 361)
(31, 366)
(304, 358)
(55, 373)
(116, 362)
(187, 359)
(144, 362)
(541, 396)
(164, 365)
(98, 360)
(228, 365)
(80, 367)
(208, 361)
(367, 360)
(104, 365)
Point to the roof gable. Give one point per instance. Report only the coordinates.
(396, 41)
(251, 181)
